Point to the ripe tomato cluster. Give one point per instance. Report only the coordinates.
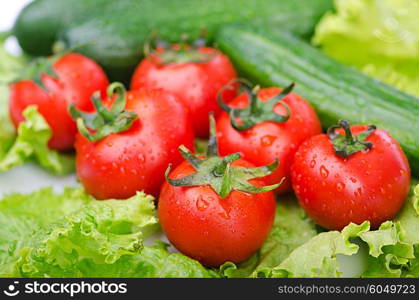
(220, 206)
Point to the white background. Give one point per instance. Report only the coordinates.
(8, 12)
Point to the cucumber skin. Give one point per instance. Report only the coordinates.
(113, 33)
(39, 23)
(274, 58)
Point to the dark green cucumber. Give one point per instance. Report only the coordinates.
(271, 57)
(38, 25)
(114, 32)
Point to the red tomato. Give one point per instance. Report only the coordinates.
(213, 230)
(196, 84)
(121, 164)
(267, 141)
(78, 78)
(369, 185)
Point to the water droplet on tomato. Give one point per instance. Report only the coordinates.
(267, 140)
(324, 172)
(312, 163)
(201, 204)
(353, 179)
(340, 186)
(224, 215)
(382, 190)
(358, 192)
(141, 158)
(402, 172)
(134, 172)
(109, 144)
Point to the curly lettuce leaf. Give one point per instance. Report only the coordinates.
(392, 249)
(58, 235)
(45, 234)
(291, 229)
(32, 143)
(44, 206)
(379, 37)
(9, 67)
(152, 262)
(317, 257)
(23, 216)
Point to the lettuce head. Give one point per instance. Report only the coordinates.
(379, 37)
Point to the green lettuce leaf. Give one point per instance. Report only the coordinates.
(54, 237)
(317, 257)
(9, 67)
(379, 37)
(32, 143)
(45, 234)
(392, 249)
(153, 262)
(291, 229)
(44, 206)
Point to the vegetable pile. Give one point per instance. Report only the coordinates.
(258, 157)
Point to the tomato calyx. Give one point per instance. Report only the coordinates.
(38, 67)
(257, 111)
(219, 173)
(104, 122)
(347, 144)
(163, 53)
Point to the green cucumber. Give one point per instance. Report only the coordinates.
(39, 23)
(275, 58)
(113, 33)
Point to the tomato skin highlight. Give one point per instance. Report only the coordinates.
(195, 84)
(267, 141)
(78, 78)
(213, 230)
(121, 164)
(370, 185)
